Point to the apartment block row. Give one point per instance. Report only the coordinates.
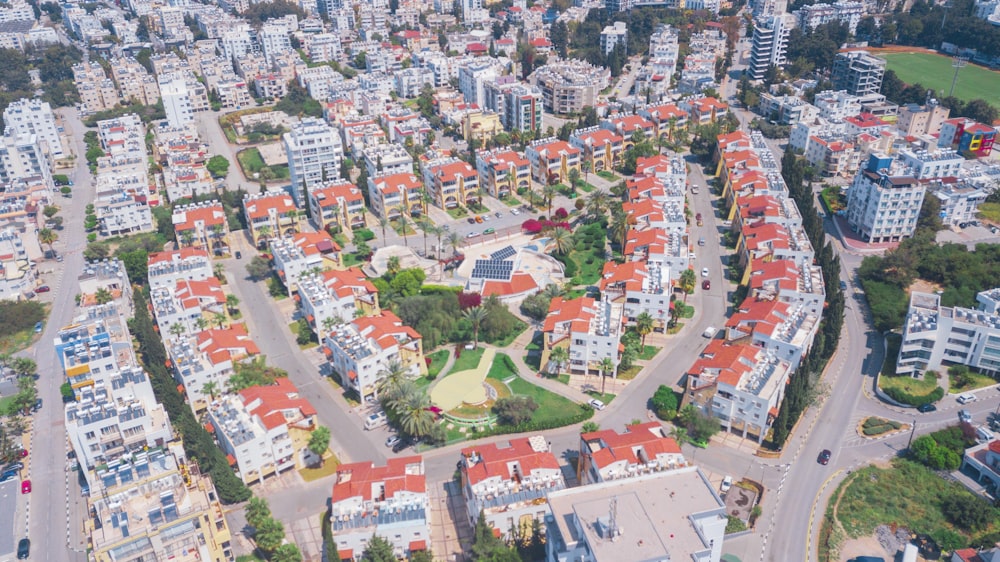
(628, 482)
(124, 192)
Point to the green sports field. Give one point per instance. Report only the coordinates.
(936, 72)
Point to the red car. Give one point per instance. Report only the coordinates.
(42, 289)
(26, 486)
(706, 284)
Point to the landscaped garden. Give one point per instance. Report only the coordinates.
(906, 389)
(582, 252)
(251, 162)
(961, 379)
(874, 426)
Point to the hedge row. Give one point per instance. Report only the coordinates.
(900, 395)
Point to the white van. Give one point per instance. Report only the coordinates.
(984, 435)
(377, 419)
(709, 332)
(966, 398)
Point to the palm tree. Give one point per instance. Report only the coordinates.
(392, 265)
(475, 316)
(187, 238)
(211, 388)
(607, 366)
(644, 324)
(47, 236)
(202, 323)
(425, 226)
(103, 296)
(218, 231)
(177, 329)
(563, 240)
(574, 178)
(455, 241)
(559, 356)
(619, 229)
(688, 281)
(550, 191)
(393, 377)
(232, 302)
(586, 170)
(263, 233)
(383, 222)
(403, 225)
(439, 232)
(552, 291)
(328, 323)
(415, 417)
(598, 203)
(679, 434)
(219, 318)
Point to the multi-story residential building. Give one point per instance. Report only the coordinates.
(569, 86)
(187, 307)
(642, 449)
(23, 156)
(390, 501)
(790, 281)
(361, 351)
(254, 427)
(451, 182)
(628, 126)
(935, 334)
(508, 484)
(656, 245)
(274, 40)
(503, 172)
(770, 41)
(123, 214)
(629, 519)
(857, 72)
(337, 205)
(551, 160)
(394, 195)
(843, 11)
(832, 156)
(304, 253)
(314, 151)
(519, 105)
(481, 125)
(387, 159)
(209, 357)
(324, 47)
(882, 206)
(588, 328)
(601, 148)
(410, 81)
(177, 103)
(915, 120)
(640, 287)
(181, 521)
(785, 109)
(165, 269)
(784, 328)
(923, 164)
(612, 36)
(270, 214)
(959, 200)
(202, 225)
(135, 82)
(28, 117)
(741, 385)
(336, 294)
(97, 91)
(473, 76)
(835, 105)
(971, 139)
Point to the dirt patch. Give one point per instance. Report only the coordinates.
(865, 546)
(922, 286)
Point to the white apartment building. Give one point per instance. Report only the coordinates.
(16, 11)
(935, 336)
(641, 449)
(883, 207)
(857, 72)
(35, 117)
(959, 201)
(361, 350)
(836, 105)
(612, 36)
(297, 255)
(569, 86)
(390, 501)
(18, 249)
(314, 150)
(508, 484)
(176, 101)
(382, 159)
(274, 40)
(333, 297)
(209, 357)
(23, 156)
(472, 76)
(184, 304)
(203, 225)
(785, 329)
(924, 165)
(323, 47)
(253, 426)
(123, 214)
(165, 269)
(770, 41)
(631, 519)
(641, 287)
(409, 81)
(589, 328)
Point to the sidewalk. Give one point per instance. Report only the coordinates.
(516, 351)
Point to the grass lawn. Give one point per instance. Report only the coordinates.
(250, 160)
(533, 361)
(586, 187)
(511, 201)
(587, 273)
(973, 380)
(551, 406)
(630, 373)
(607, 397)
(17, 341)
(438, 359)
(294, 328)
(677, 328)
(935, 72)
(910, 385)
(990, 212)
(6, 401)
(329, 468)
(351, 259)
(502, 369)
(509, 338)
(399, 229)
(833, 199)
(458, 212)
(908, 495)
(536, 342)
(468, 360)
(563, 379)
(687, 311)
(607, 175)
(648, 352)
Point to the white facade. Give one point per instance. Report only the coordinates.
(959, 201)
(926, 165)
(176, 101)
(612, 36)
(167, 268)
(382, 159)
(274, 41)
(34, 117)
(314, 150)
(362, 350)
(22, 156)
(883, 207)
(257, 448)
(770, 41)
(933, 334)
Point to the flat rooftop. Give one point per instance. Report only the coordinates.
(652, 515)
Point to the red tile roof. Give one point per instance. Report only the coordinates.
(338, 193)
(227, 344)
(759, 316)
(176, 255)
(276, 404)
(576, 312)
(362, 479)
(519, 283)
(727, 362)
(614, 447)
(208, 216)
(499, 461)
(259, 207)
(386, 329)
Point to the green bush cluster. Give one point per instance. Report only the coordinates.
(582, 414)
(904, 397)
(877, 426)
(665, 402)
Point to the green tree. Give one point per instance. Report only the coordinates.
(475, 315)
(644, 324)
(287, 553)
(269, 535)
(378, 550)
(664, 402)
(688, 281)
(319, 442)
(211, 388)
(607, 367)
(258, 268)
(558, 357)
(218, 166)
(24, 366)
(514, 410)
(589, 427)
(415, 417)
(303, 332)
(562, 238)
(257, 511)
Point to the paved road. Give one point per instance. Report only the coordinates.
(56, 502)
(211, 133)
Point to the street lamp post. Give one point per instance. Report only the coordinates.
(913, 430)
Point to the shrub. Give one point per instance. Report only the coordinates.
(734, 525)
(19, 316)
(560, 214)
(365, 234)
(900, 395)
(664, 402)
(514, 410)
(531, 226)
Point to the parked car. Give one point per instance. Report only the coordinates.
(43, 289)
(37, 406)
(706, 284)
(38, 327)
(16, 465)
(964, 416)
(928, 407)
(239, 255)
(392, 440)
(470, 220)
(26, 487)
(704, 272)
(824, 457)
(402, 445)
(23, 549)
(515, 212)
(498, 214)
(8, 476)
(472, 234)
(479, 218)
(490, 230)
(966, 398)
(843, 286)
(709, 332)
(597, 404)
(701, 241)
(727, 483)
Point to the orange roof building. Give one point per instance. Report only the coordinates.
(338, 204)
(640, 449)
(589, 329)
(389, 500)
(166, 268)
(503, 172)
(202, 225)
(601, 147)
(552, 159)
(270, 214)
(507, 483)
(393, 195)
(451, 182)
(302, 253)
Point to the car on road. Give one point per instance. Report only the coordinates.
(13, 467)
(470, 220)
(59, 258)
(472, 234)
(706, 284)
(515, 212)
(23, 549)
(489, 230)
(824, 457)
(38, 327)
(26, 487)
(727, 483)
(478, 218)
(239, 255)
(498, 214)
(446, 227)
(925, 408)
(704, 272)
(964, 416)
(701, 241)
(843, 286)
(37, 406)
(597, 404)
(43, 289)
(966, 398)
(709, 332)
(392, 441)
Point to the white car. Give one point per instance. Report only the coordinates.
(727, 483)
(966, 398)
(515, 212)
(472, 234)
(597, 404)
(704, 272)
